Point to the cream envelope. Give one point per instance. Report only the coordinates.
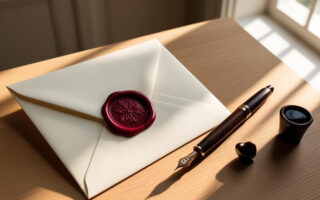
(65, 105)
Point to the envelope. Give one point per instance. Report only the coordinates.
(65, 105)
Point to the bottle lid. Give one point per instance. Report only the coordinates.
(128, 113)
(294, 121)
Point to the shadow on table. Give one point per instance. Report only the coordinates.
(168, 182)
(233, 174)
(19, 122)
(280, 170)
(275, 161)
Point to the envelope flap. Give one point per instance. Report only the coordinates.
(85, 86)
(174, 80)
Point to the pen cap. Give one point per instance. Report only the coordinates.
(259, 98)
(294, 121)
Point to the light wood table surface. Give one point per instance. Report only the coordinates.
(233, 66)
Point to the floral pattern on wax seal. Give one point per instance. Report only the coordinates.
(128, 113)
(129, 110)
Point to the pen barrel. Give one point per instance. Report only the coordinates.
(222, 131)
(233, 121)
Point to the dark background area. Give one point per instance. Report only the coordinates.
(35, 30)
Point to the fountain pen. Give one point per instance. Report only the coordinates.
(227, 126)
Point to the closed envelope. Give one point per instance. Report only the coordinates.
(65, 105)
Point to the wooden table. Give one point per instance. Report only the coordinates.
(232, 65)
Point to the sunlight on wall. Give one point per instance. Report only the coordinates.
(290, 50)
(314, 25)
(299, 63)
(303, 66)
(275, 43)
(294, 10)
(257, 28)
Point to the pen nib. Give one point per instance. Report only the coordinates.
(186, 161)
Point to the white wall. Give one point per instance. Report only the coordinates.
(245, 8)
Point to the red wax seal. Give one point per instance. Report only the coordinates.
(128, 112)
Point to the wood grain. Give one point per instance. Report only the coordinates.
(233, 66)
